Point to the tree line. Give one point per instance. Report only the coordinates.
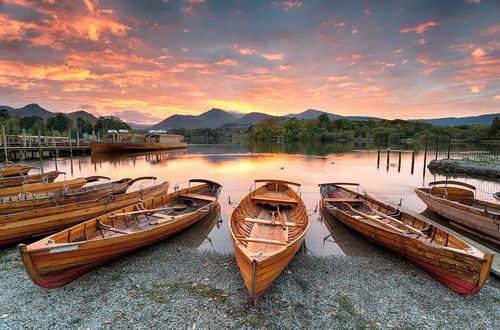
(326, 129)
(58, 125)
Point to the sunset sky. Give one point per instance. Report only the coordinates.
(147, 60)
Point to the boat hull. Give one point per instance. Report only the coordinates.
(41, 187)
(19, 226)
(100, 146)
(14, 170)
(23, 179)
(55, 267)
(485, 225)
(464, 274)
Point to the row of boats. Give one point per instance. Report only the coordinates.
(267, 228)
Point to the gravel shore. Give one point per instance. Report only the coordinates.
(171, 285)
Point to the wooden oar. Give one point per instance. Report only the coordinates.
(170, 218)
(378, 221)
(410, 228)
(175, 207)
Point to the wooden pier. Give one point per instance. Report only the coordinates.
(23, 147)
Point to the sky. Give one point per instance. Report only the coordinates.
(147, 60)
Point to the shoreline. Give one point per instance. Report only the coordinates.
(464, 166)
(169, 284)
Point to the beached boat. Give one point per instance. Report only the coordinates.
(60, 258)
(11, 169)
(33, 201)
(453, 262)
(120, 142)
(48, 186)
(16, 227)
(267, 228)
(456, 201)
(18, 180)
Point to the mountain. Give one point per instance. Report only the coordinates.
(252, 118)
(454, 121)
(138, 126)
(211, 119)
(31, 110)
(314, 114)
(83, 114)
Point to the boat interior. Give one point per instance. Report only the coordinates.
(462, 193)
(150, 214)
(270, 217)
(364, 208)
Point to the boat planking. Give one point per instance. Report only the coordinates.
(48, 186)
(458, 265)
(8, 169)
(18, 180)
(62, 257)
(23, 225)
(456, 201)
(32, 201)
(267, 228)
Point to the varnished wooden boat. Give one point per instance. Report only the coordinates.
(453, 262)
(18, 180)
(48, 186)
(120, 142)
(11, 169)
(456, 201)
(60, 258)
(33, 201)
(267, 228)
(16, 227)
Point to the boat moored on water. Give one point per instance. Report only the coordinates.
(18, 180)
(457, 202)
(267, 228)
(11, 169)
(16, 227)
(32, 201)
(62, 257)
(453, 262)
(120, 142)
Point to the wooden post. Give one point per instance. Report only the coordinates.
(78, 138)
(399, 161)
(388, 156)
(4, 140)
(437, 145)
(70, 145)
(40, 155)
(93, 135)
(425, 152)
(378, 158)
(24, 144)
(449, 146)
(412, 161)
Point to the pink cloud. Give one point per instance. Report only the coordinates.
(273, 57)
(419, 29)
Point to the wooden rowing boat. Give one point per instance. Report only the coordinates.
(453, 262)
(10, 169)
(48, 186)
(60, 258)
(456, 201)
(19, 226)
(267, 228)
(18, 180)
(32, 201)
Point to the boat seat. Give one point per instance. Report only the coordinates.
(199, 196)
(269, 222)
(279, 200)
(260, 240)
(343, 200)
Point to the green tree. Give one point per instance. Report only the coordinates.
(4, 114)
(104, 124)
(59, 123)
(28, 122)
(84, 125)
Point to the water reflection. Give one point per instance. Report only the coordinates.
(236, 166)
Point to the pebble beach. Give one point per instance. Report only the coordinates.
(171, 285)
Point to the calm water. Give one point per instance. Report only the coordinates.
(236, 166)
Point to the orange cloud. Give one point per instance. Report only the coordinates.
(419, 29)
(246, 51)
(478, 52)
(273, 57)
(475, 89)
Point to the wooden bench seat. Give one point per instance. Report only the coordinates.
(269, 222)
(343, 200)
(279, 200)
(199, 196)
(260, 240)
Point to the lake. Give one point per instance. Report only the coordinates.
(235, 166)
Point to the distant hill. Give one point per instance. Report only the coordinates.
(211, 119)
(31, 110)
(83, 114)
(454, 121)
(314, 114)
